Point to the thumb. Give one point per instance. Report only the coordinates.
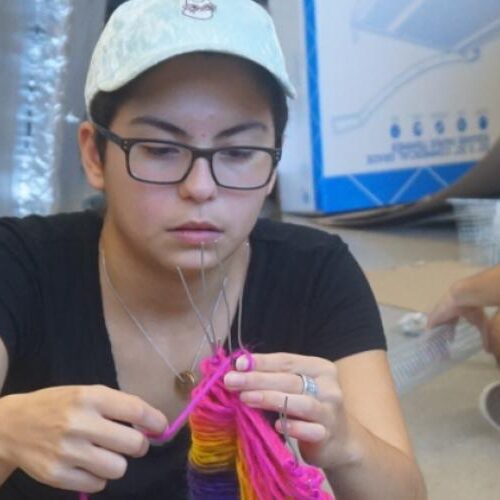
(494, 336)
(128, 408)
(443, 312)
(152, 421)
(475, 316)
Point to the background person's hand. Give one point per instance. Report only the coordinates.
(468, 299)
(75, 437)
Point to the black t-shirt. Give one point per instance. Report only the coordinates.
(304, 294)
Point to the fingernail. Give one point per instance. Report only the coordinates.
(242, 363)
(156, 422)
(283, 426)
(318, 433)
(234, 379)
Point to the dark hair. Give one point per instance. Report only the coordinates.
(105, 105)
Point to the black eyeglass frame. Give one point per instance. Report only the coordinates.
(126, 144)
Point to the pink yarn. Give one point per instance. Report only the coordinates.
(269, 463)
(196, 397)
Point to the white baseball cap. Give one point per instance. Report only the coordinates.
(143, 33)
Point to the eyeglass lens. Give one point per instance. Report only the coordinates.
(237, 167)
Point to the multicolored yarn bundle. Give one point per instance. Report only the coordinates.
(235, 453)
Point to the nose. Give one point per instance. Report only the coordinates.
(199, 185)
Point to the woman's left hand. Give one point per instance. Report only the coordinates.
(319, 422)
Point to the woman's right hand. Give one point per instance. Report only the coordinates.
(75, 437)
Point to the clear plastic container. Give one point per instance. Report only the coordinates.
(415, 360)
(478, 227)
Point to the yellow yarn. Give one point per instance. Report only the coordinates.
(214, 451)
(247, 492)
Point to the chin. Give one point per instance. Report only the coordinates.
(193, 260)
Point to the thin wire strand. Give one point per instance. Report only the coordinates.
(223, 274)
(240, 318)
(240, 300)
(228, 316)
(283, 416)
(211, 340)
(206, 298)
(202, 268)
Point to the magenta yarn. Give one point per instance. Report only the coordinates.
(268, 463)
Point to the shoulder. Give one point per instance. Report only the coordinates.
(52, 226)
(289, 254)
(42, 244)
(309, 294)
(306, 256)
(37, 255)
(37, 230)
(295, 238)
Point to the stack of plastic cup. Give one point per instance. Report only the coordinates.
(419, 359)
(478, 227)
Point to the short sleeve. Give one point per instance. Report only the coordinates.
(19, 297)
(343, 315)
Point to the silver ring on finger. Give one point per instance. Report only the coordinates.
(309, 385)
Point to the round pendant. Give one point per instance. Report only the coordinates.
(185, 383)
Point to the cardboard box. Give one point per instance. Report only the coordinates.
(397, 99)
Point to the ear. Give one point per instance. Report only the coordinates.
(92, 165)
(272, 182)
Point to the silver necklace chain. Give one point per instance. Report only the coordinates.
(143, 330)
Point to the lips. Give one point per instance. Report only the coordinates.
(196, 233)
(198, 226)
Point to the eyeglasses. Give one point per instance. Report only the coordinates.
(166, 162)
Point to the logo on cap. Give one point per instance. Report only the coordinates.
(199, 9)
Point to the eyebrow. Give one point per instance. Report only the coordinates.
(243, 127)
(160, 124)
(174, 129)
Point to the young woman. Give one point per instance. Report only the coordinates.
(99, 339)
